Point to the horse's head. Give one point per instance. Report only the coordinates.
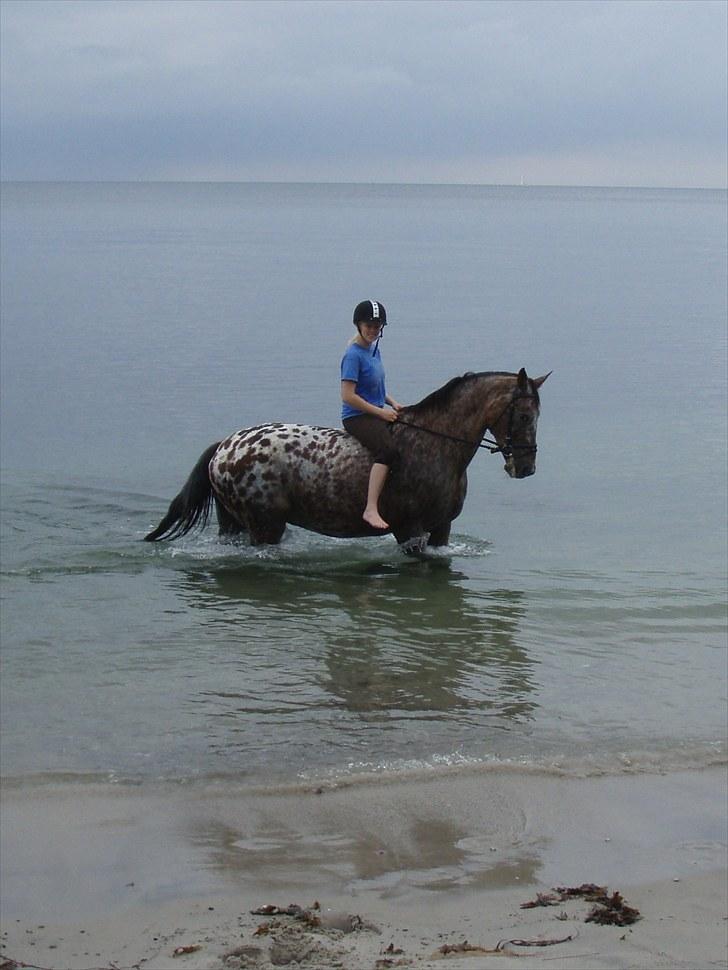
(515, 427)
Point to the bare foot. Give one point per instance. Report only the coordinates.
(374, 519)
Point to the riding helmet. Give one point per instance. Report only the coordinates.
(370, 311)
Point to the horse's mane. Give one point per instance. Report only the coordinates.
(443, 395)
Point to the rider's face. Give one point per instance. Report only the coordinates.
(370, 330)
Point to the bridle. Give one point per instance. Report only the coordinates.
(489, 444)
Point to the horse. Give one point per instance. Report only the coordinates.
(265, 477)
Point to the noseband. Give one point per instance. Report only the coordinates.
(490, 444)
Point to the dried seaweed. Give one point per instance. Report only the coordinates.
(587, 890)
(608, 910)
(293, 909)
(306, 916)
(448, 948)
(504, 943)
(387, 959)
(468, 948)
(542, 899)
(8, 963)
(613, 911)
(313, 918)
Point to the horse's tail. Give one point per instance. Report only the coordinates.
(191, 506)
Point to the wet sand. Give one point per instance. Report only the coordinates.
(102, 876)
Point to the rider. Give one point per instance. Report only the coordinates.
(364, 397)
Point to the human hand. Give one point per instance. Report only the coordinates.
(388, 414)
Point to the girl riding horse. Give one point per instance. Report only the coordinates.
(364, 396)
(264, 477)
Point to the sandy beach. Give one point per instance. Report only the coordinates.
(422, 872)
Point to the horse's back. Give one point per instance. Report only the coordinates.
(279, 445)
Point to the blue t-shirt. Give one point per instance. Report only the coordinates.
(367, 371)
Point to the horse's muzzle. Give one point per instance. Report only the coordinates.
(522, 471)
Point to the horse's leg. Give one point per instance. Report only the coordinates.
(265, 526)
(412, 539)
(440, 536)
(227, 524)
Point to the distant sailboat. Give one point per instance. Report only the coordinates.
(523, 181)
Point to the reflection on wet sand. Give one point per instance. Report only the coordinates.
(419, 851)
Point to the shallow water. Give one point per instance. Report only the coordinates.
(577, 619)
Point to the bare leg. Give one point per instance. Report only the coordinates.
(377, 478)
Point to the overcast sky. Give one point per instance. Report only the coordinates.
(582, 92)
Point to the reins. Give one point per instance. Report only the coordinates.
(488, 444)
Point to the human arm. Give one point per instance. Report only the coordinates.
(354, 400)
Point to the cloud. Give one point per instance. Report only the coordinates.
(159, 89)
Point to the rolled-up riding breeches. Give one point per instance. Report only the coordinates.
(375, 435)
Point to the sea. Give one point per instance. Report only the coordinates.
(575, 624)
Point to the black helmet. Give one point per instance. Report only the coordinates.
(370, 311)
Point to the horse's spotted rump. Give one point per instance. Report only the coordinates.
(293, 472)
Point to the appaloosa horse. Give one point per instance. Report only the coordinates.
(265, 477)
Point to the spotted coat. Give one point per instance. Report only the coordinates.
(308, 476)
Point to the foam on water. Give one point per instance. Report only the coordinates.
(688, 757)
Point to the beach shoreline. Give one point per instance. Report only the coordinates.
(124, 876)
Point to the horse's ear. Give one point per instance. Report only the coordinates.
(522, 381)
(538, 381)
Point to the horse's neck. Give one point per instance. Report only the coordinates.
(475, 404)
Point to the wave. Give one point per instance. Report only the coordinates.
(688, 757)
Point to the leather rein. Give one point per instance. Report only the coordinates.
(489, 444)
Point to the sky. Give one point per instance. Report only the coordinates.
(556, 92)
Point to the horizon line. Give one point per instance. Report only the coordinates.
(443, 184)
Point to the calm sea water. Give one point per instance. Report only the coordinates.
(576, 620)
